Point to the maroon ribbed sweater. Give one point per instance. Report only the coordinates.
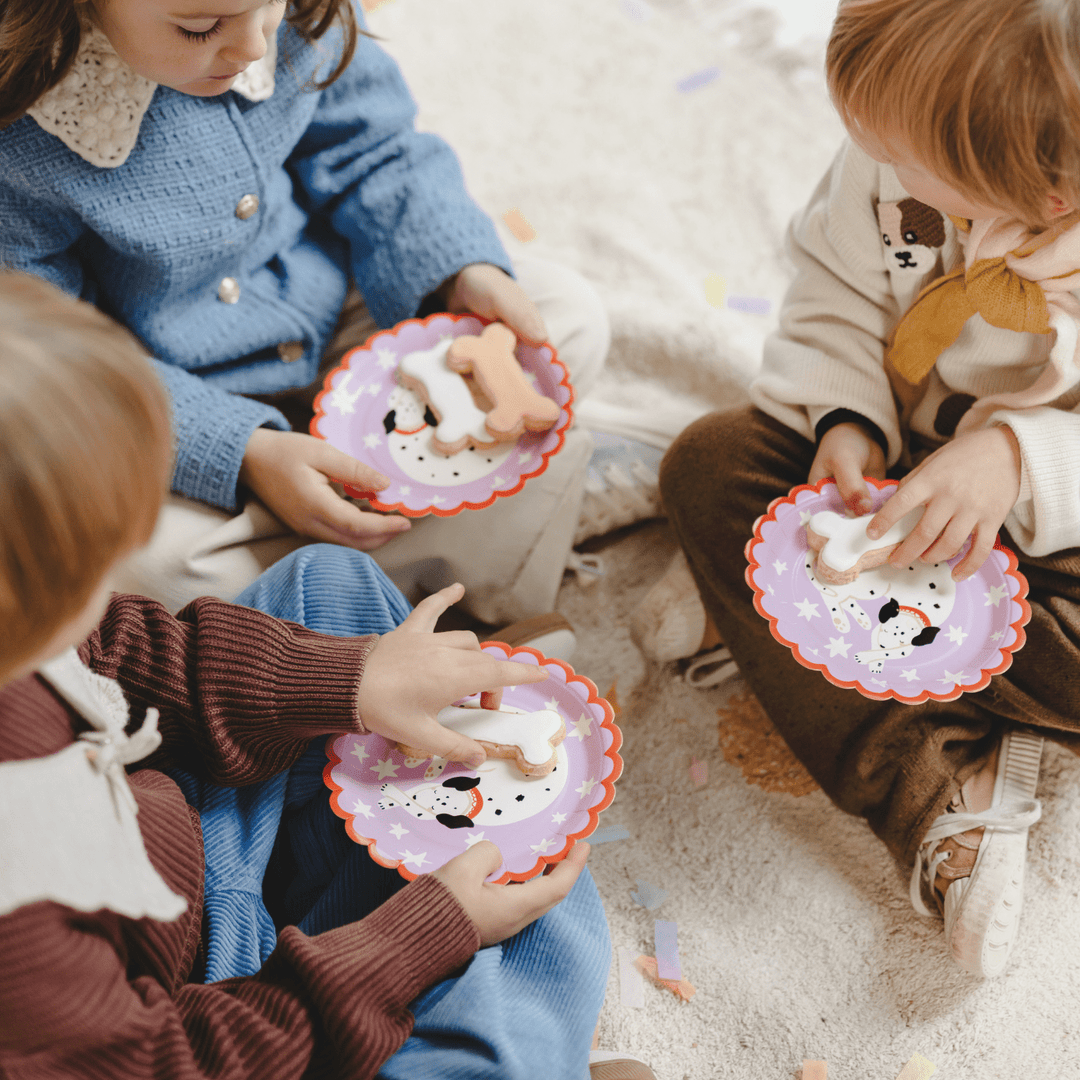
(102, 996)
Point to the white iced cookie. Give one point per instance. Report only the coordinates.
(529, 739)
(844, 550)
(461, 423)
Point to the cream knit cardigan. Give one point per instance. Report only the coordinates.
(849, 292)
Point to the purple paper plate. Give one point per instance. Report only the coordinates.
(862, 635)
(534, 821)
(363, 411)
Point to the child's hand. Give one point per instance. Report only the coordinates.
(968, 486)
(847, 453)
(500, 911)
(291, 473)
(485, 290)
(412, 673)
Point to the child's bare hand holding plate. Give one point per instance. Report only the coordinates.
(968, 487)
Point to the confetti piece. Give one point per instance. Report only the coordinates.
(371, 5)
(698, 80)
(752, 305)
(715, 290)
(918, 1068)
(613, 697)
(631, 984)
(815, 1070)
(637, 10)
(648, 895)
(666, 936)
(605, 836)
(682, 988)
(699, 772)
(517, 224)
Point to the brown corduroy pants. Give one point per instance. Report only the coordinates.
(895, 765)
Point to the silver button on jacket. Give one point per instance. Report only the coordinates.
(247, 206)
(228, 291)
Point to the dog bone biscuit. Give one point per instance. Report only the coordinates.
(844, 550)
(490, 359)
(529, 739)
(460, 422)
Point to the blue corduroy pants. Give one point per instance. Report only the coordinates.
(521, 1010)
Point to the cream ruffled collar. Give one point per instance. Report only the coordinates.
(97, 108)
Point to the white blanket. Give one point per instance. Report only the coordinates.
(571, 112)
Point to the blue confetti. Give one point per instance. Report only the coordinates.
(612, 832)
(752, 305)
(648, 895)
(698, 80)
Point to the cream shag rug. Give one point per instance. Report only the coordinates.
(794, 925)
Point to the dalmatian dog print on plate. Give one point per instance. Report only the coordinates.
(909, 634)
(415, 814)
(366, 411)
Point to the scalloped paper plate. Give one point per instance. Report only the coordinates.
(534, 821)
(836, 630)
(364, 412)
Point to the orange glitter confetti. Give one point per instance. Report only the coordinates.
(815, 1070)
(682, 988)
(613, 697)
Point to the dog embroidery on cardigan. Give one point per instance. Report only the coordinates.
(913, 234)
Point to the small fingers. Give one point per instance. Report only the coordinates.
(901, 502)
(981, 546)
(423, 617)
(482, 859)
(951, 540)
(337, 521)
(338, 465)
(436, 740)
(544, 892)
(852, 488)
(930, 526)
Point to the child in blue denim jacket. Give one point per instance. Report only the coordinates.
(218, 183)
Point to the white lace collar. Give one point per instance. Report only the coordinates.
(68, 828)
(97, 108)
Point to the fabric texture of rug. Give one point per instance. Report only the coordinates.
(661, 148)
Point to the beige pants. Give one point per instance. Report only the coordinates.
(510, 557)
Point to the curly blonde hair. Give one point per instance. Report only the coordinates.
(39, 40)
(984, 93)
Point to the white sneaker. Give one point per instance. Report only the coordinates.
(669, 623)
(622, 486)
(985, 891)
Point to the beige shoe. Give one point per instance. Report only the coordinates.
(669, 624)
(551, 634)
(605, 1065)
(973, 856)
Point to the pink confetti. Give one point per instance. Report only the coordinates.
(699, 772)
(666, 936)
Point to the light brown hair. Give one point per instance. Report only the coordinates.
(85, 458)
(39, 40)
(984, 93)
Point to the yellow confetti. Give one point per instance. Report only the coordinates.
(518, 225)
(715, 290)
(918, 1068)
(815, 1070)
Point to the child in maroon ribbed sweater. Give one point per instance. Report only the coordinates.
(100, 910)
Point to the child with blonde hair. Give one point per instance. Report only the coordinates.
(931, 334)
(148, 928)
(239, 183)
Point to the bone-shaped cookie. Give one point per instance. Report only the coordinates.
(490, 359)
(447, 393)
(844, 550)
(529, 738)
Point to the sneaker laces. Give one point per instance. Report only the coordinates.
(622, 486)
(1010, 818)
